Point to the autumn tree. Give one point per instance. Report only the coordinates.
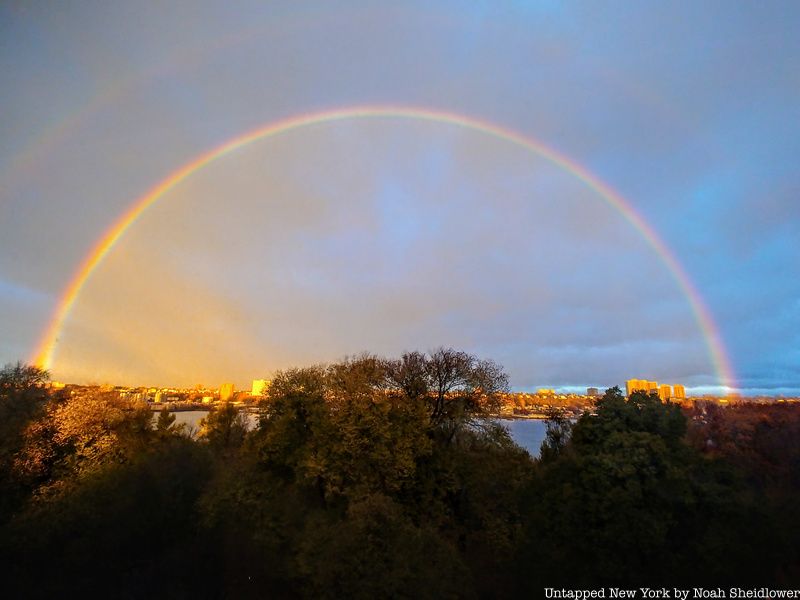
(23, 396)
(82, 433)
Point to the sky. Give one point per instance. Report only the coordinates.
(389, 234)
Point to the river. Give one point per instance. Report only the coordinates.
(528, 433)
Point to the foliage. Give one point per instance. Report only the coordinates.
(165, 422)
(377, 551)
(338, 431)
(387, 478)
(23, 397)
(224, 428)
(123, 527)
(455, 387)
(631, 502)
(558, 432)
(82, 433)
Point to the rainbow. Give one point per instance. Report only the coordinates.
(43, 355)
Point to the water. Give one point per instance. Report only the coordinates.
(192, 418)
(528, 433)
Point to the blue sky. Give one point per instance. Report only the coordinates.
(387, 235)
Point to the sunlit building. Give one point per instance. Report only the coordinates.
(665, 392)
(260, 387)
(225, 392)
(545, 392)
(641, 385)
(635, 385)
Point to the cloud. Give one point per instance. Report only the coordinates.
(385, 235)
(308, 248)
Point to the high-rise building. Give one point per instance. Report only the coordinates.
(225, 392)
(635, 385)
(641, 385)
(260, 387)
(665, 392)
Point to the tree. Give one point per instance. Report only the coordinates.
(340, 431)
(130, 524)
(375, 438)
(376, 551)
(166, 426)
(293, 422)
(457, 388)
(84, 433)
(165, 421)
(224, 428)
(631, 502)
(23, 396)
(21, 377)
(641, 412)
(558, 431)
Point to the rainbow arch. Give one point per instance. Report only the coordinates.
(43, 354)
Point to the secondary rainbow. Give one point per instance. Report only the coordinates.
(43, 355)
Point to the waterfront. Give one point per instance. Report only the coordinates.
(528, 433)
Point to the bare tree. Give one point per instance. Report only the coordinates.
(457, 388)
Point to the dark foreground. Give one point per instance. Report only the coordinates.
(383, 478)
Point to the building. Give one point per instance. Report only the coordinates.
(225, 392)
(641, 385)
(635, 385)
(592, 392)
(260, 387)
(545, 392)
(665, 392)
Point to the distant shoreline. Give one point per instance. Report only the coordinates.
(206, 408)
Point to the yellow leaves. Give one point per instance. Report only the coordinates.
(82, 433)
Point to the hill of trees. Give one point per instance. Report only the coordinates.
(378, 477)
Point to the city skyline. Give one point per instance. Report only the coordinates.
(577, 192)
(260, 387)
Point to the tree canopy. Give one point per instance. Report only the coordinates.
(390, 478)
